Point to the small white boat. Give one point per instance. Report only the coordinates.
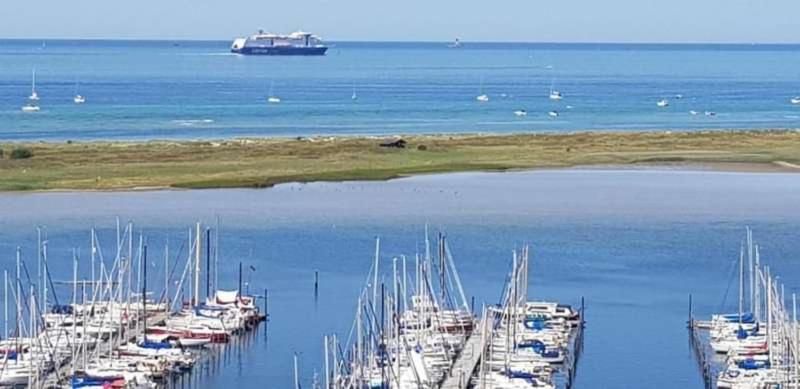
(521, 112)
(456, 44)
(710, 113)
(78, 99)
(354, 96)
(795, 100)
(693, 112)
(678, 96)
(553, 114)
(34, 96)
(30, 108)
(556, 95)
(482, 97)
(272, 99)
(662, 103)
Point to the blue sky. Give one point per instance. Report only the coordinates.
(744, 21)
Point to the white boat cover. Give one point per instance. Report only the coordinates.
(226, 296)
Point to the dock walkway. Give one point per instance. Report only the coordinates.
(466, 362)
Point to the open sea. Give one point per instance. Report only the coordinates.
(187, 90)
(633, 243)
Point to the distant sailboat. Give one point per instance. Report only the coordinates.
(354, 97)
(693, 112)
(272, 99)
(553, 114)
(34, 96)
(30, 107)
(456, 44)
(482, 97)
(795, 100)
(521, 112)
(663, 103)
(78, 99)
(554, 94)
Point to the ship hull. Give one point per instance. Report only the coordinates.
(274, 50)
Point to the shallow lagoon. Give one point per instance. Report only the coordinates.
(634, 243)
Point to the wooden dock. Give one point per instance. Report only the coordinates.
(63, 370)
(466, 362)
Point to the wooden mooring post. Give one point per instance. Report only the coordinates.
(700, 350)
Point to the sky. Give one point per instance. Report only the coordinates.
(720, 21)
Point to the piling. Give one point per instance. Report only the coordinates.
(316, 283)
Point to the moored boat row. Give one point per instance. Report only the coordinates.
(111, 333)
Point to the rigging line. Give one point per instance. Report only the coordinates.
(728, 288)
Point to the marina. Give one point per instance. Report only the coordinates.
(312, 245)
(426, 334)
(756, 347)
(111, 332)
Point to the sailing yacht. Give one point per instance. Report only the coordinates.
(30, 107)
(554, 94)
(354, 97)
(482, 97)
(34, 96)
(795, 100)
(78, 99)
(521, 112)
(553, 114)
(272, 99)
(663, 103)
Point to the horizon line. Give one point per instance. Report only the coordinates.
(698, 43)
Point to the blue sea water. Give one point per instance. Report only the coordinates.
(180, 90)
(633, 243)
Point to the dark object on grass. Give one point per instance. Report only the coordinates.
(422, 148)
(396, 143)
(21, 153)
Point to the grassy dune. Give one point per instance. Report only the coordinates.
(268, 161)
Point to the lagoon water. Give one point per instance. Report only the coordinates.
(634, 243)
(178, 90)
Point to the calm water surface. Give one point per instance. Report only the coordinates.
(160, 89)
(634, 243)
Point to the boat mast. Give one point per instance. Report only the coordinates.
(375, 274)
(94, 251)
(166, 276)
(144, 293)
(753, 287)
(197, 266)
(19, 302)
(74, 308)
(5, 304)
(45, 275)
(741, 284)
(296, 378)
(39, 276)
(327, 368)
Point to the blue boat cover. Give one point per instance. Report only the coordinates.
(752, 364)
(747, 318)
(154, 345)
(741, 333)
(61, 309)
